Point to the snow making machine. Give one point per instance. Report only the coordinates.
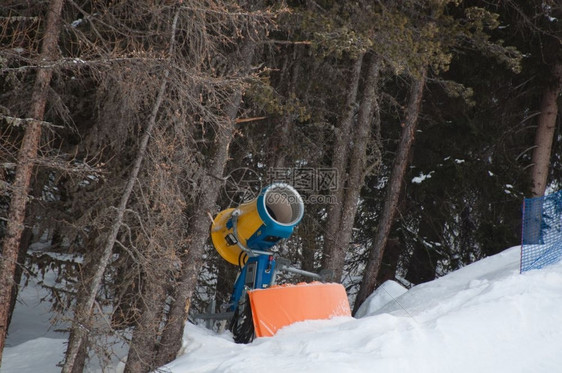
(244, 236)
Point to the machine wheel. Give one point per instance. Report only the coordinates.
(242, 324)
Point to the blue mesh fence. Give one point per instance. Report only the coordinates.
(541, 238)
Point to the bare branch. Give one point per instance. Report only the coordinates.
(16, 122)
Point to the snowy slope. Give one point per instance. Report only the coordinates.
(485, 317)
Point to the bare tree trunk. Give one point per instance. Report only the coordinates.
(545, 132)
(172, 334)
(393, 191)
(25, 241)
(83, 309)
(333, 257)
(26, 159)
(143, 346)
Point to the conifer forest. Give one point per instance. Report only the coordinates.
(413, 130)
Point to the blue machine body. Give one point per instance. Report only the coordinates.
(256, 274)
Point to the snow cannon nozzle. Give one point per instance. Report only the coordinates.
(282, 204)
(256, 226)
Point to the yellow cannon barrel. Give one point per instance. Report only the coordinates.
(261, 223)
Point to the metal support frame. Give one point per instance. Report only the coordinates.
(259, 272)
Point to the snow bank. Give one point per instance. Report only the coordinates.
(36, 355)
(485, 317)
(385, 294)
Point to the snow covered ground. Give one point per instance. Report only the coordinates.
(32, 344)
(485, 317)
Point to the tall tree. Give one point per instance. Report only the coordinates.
(345, 34)
(333, 255)
(368, 113)
(172, 334)
(25, 163)
(393, 190)
(537, 28)
(546, 125)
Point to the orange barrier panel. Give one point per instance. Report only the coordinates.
(279, 306)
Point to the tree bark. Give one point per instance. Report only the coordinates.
(84, 309)
(172, 334)
(143, 346)
(393, 191)
(25, 241)
(332, 257)
(26, 158)
(545, 132)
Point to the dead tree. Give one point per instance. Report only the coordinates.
(191, 260)
(83, 311)
(25, 164)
